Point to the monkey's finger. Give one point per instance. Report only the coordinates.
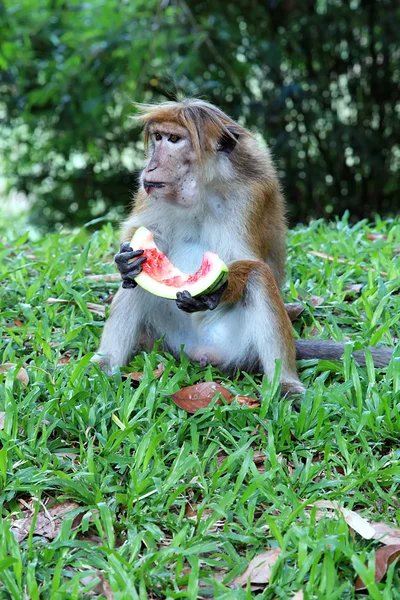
(129, 275)
(128, 284)
(121, 257)
(185, 295)
(130, 267)
(125, 247)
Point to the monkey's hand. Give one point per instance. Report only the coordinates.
(186, 302)
(129, 270)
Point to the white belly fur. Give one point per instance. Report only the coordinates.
(215, 334)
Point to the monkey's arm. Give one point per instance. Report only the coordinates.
(230, 292)
(129, 270)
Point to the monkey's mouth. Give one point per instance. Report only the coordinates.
(148, 185)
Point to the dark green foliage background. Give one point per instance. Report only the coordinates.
(318, 79)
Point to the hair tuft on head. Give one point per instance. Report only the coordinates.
(204, 122)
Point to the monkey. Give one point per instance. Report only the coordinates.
(208, 184)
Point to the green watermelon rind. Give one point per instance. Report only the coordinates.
(210, 283)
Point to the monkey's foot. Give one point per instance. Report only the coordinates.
(186, 302)
(104, 363)
(292, 387)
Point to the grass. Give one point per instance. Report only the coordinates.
(160, 512)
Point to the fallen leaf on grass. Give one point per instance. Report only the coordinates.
(195, 397)
(2, 417)
(48, 522)
(258, 457)
(353, 519)
(64, 360)
(344, 261)
(376, 236)
(384, 557)
(109, 298)
(316, 300)
(22, 375)
(250, 402)
(259, 569)
(386, 534)
(18, 323)
(102, 588)
(351, 289)
(97, 309)
(137, 375)
(294, 309)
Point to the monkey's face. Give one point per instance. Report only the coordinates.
(172, 173)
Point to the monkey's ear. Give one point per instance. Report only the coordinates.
(226, 142)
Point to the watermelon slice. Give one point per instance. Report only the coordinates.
(161, 278)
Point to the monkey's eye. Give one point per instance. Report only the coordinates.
(158, 137)
(174, 138)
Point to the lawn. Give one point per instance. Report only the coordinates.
(109, 490)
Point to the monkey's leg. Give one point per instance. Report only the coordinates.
(122, 330)
(266, 328)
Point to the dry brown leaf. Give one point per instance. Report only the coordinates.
(194, 397)
(18, 323)
(352, 289)
(294, 309)
(386, 534)
(64, 360)
(48, 522)
(22, 374)
(191, 512)
(259, 569)
(384, 557)
(137, 375)
(316, 300)
(2, 417)
(250, 402)
(344, 261)
(97, 309)
(109, 298)
(353, 519)
(103, 588)
(376, 236)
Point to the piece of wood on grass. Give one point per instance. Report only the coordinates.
(259, 569)
(106, 277)
(344, 261)
(97, 309)
(22, 374)
(384, 557)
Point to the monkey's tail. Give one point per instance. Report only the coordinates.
(321, 349)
